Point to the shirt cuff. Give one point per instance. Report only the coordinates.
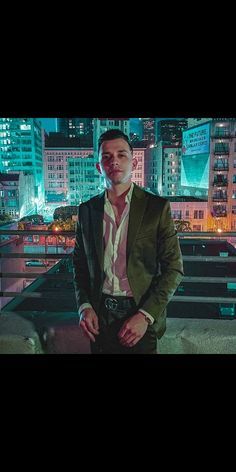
(147, 315)
(83, 306)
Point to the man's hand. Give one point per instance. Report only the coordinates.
(133, 330)
(89, 323)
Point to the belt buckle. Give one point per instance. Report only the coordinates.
(111, 304)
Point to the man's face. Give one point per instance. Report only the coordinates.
(116, 161)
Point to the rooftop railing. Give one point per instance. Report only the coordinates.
(49, 301)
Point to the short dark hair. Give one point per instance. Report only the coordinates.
(113, 134)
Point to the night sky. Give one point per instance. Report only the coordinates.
(49, 124)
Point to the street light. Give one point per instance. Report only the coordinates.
(56, 229)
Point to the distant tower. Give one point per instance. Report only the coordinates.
(75, 127)
(148, 130)
(21, 149)
(222, 175)
(169, 130)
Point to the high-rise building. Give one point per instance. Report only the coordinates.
(21, 149)
(152, 171)
(148, 130)
(222, 175)
(169, 131)
(83, 179)
(17, 194)
(209, 169)
(136, 130)
(195, 161)
(138, 174)
(57, 139)
(75, 127)
(58, 173)
(162, 169)
(171, 167)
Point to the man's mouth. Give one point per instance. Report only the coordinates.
(115, 171)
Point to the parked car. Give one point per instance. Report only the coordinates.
(36, 263)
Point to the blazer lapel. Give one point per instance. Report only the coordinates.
(97, 210)
(137, 210)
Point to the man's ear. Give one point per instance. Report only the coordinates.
(134, 163)
(98, 167)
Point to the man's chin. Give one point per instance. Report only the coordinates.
(116, 180)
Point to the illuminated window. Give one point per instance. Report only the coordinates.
(25, 127)
(221, 131)
(222, 147)
(176, 214)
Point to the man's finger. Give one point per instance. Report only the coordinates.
(132, 343)
(90, 335)
(122, 331)
(127, 335)
(90, 327)
(86, 331)
(128, 341)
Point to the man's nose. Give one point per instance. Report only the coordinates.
(114, 160)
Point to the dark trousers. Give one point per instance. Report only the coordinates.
(110, 323)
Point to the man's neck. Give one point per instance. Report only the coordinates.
(117, 193)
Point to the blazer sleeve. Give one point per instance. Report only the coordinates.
(80, 266)
(170, 263)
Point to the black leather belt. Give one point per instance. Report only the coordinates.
(118, 304)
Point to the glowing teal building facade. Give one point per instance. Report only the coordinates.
(21, 149)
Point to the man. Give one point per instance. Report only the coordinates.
(127, 259)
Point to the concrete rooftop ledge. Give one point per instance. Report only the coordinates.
(199, 336)
(18, 336)
(183, 336)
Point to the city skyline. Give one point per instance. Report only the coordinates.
(50, 125)
(43, 180)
